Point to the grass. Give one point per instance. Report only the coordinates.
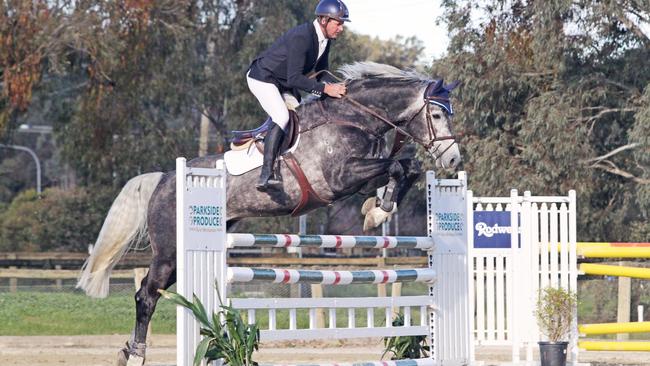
(42, 313)
(65, 313)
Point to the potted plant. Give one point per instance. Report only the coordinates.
(554, 313)
(405, 347)
(226, 336)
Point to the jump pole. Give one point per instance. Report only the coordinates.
(613, 250)
(609, 270)
(614, 346)
(614, 328)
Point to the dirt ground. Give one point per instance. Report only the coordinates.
(102, 350)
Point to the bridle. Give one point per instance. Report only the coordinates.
(401, 134)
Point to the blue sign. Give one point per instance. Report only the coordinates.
(492, 229)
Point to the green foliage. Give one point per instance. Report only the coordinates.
(549, 90)
(58, 221)
(225, 333)
(125, 86)
(405, 347)
(555, 312)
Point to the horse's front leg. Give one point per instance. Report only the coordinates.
(401, 176)
(375, 216)
(412, 171)
(365, 174)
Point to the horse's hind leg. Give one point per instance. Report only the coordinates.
(161, 275)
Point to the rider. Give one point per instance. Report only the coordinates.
(283, 68)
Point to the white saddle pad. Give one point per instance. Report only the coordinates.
(239, 162)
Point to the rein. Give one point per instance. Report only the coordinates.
(433, 138)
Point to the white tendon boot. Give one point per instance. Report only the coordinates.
(376, 216)
(369, 204)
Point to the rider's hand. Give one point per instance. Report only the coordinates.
(335, 90)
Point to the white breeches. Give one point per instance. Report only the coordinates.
(270, 99)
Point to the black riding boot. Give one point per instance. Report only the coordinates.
(271, 146)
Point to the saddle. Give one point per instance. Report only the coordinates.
(243, 139)
(309, 199)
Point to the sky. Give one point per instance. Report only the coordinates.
(386, 19)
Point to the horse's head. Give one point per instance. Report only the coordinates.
(409, 102)
(433, 124)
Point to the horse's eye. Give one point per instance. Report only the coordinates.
(436, 115)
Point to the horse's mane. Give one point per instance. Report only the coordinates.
(365, 70)
(369, 69)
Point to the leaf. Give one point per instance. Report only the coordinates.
(201, 350)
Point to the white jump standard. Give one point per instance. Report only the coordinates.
(442, 315)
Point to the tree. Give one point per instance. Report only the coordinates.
(551, 101)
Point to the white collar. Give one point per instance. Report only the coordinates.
(319, 32)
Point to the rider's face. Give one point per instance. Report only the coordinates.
(333, 28)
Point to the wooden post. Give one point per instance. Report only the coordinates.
(13, 282)
(624, 301)
(204, 133)
(138, 276)
(395, 292)
(317, 292)
(58, 282)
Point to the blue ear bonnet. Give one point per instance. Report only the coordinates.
(437, 93)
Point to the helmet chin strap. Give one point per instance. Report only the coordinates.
(322, 23)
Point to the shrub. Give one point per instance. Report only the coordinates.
(59, 220)
(555, 311)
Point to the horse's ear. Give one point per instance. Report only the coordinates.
(437, 85)
(453, 85)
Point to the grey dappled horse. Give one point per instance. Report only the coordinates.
(337, 151)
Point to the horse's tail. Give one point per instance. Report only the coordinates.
(125, 225)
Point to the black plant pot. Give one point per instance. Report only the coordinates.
(553, 353)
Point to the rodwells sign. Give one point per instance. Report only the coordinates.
(492, 229)
(205, 218)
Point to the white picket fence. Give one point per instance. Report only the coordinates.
(507, 280)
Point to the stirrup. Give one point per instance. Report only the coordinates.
(271, 183)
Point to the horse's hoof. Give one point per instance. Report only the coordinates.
(377, 216)
(135, 361)
(369, 204)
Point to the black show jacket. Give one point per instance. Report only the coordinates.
(292, 56)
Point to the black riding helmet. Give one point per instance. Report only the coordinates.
(334, 9)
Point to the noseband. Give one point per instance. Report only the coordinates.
(401, 134)
(433, 136)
